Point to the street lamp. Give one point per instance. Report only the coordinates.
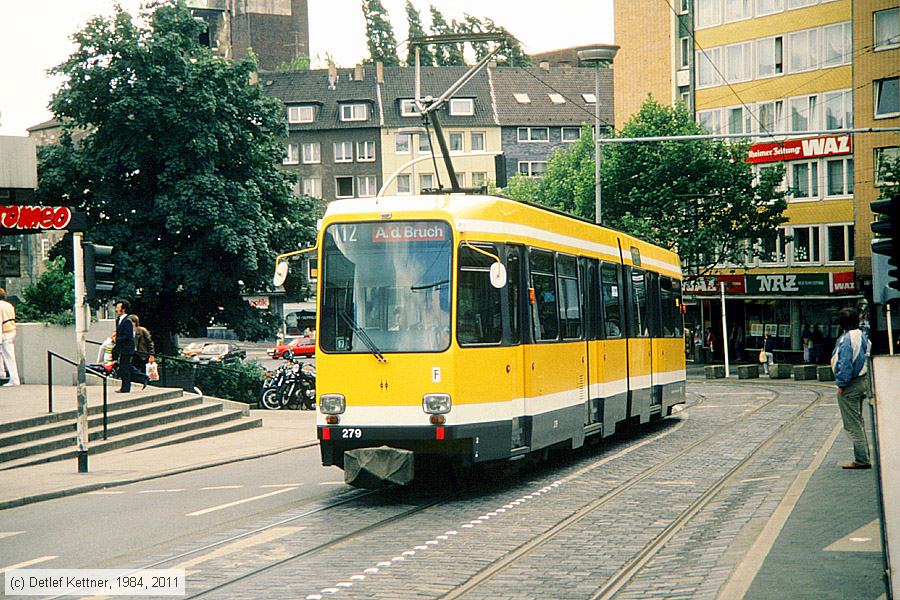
(602, 56)
(412, 131)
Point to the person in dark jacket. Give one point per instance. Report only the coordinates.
(769, 348)
(144, 351)
(124, 345)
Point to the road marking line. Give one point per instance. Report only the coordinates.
(752, 479)
(6, 534)
(743, 575)
(27, 563)
(237, 502)
(222, 487)
(675, 482)
(161, 491)
(242, 544)
(281, 485)
(332, 483)
(106, 493)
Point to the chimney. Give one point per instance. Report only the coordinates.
(379, 72)
(332, 76)
(567, 67)
(358, 73)
(545, 65)
(492, 64)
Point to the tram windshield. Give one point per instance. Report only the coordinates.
(386, 287)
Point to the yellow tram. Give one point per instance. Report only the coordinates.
(481, 329)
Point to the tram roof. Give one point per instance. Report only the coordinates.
(498, 215)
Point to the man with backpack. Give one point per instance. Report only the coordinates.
(848, 361)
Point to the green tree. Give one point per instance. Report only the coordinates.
(380, 34)
(699, 198)
(51, 298)
(298, 63)
(426, 54)
(511, 53)
(445, 55)
(176, 171)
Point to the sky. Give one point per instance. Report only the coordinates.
(35, 36)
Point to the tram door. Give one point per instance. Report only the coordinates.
(640, 345)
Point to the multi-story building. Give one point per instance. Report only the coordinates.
(334, 122)
(541, 109)
(757, 67)
(276, 30)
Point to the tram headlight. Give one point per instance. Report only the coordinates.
(332, 404)
(436, 404)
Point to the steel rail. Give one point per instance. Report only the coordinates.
(512, 557)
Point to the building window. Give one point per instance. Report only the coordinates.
(312, 186)
(840, 243)
(735, 10)
(686, 50)
(839, 177)
(424, 143)
(343, 152)
(479, 179)
(45, 249)
(292, 156)
(462, 107)
(887, 29)
(570, 134)
(837, 42)
(477, 140)
(803, 113)
(366, 185)
(708, 70)
(707, 12)
(684, 6)
(770, 116)
(301, 114)
(456, 141)
(522, 98)
(426, 181)
(401, 145)
(532, 168)
(461, 179)
(312, 153)
(882, 155)
(365, 151)
(343, 187)
(803, 49)
(739, 120)
(354, 112)
(403, 184)
(806, 244)
(838, 109)
(805, 179)
(765, 7)
(408, 108)
(556, 98)
(769, 56)
(887, 97)
(773, 247)
(711, 120)
(534, 134)
(800, 3)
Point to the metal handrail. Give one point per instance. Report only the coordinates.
(50, 355)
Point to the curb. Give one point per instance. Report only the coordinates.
(15, 502)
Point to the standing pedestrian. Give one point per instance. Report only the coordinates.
(8, 339)
(806, 343)
(769, 344)
(817, 340)
(144, 351)
(848, 361)
(124, 345)
(736, 341)
(709, 344)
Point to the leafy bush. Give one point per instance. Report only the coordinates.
(241, 382)
(51, 298)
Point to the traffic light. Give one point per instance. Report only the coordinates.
(99, 267)
(888, 228)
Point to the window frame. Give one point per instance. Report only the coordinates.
(878, 154)
(367, 184)
(315, 153)
(292, 154)
(877, 88)
(889, 46)
(397, 143)
(480, 135)
(846, 176)
(300, 109)
(454, 108)
(354, 109)
(530, 170)
(562, 134)
(337, 186)
(529, 135)
(813, 180)
(848, 236)
(309, 180)
(815, 242)
(408, 179)
(408, 108)
(367, 157)
(343, 157)
(456, 135)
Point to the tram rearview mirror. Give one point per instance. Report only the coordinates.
(498, 275)
(281, 273)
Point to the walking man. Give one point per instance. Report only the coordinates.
(124, 344)
(848, 361)
(8, 338)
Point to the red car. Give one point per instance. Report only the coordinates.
(300, 346)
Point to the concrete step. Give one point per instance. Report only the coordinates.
(130, 424)
(113, 405)
(114, 416)
(225, 428)
(214, 418)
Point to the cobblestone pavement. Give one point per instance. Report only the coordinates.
(432, 552)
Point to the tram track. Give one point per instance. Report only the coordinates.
(634, 565)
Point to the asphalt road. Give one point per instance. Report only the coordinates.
(108, 528)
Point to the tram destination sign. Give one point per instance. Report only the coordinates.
(16, 219)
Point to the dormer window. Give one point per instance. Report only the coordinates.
(589, 98)
(557, 98)
(301, 114)
(462, 107)
(354, 112)
(522, 98)
(408, 108)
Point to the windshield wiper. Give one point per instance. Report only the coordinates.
(362, 335)
(427, 286)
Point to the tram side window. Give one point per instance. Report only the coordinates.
(667, 312)
(612, 299)
(639, 324)
(479, 318)
(569, 301)
(677, 319)
(544, 314)
(514, 292)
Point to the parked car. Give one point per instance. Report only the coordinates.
(220, 352)
(299, 346)
(193, 349)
